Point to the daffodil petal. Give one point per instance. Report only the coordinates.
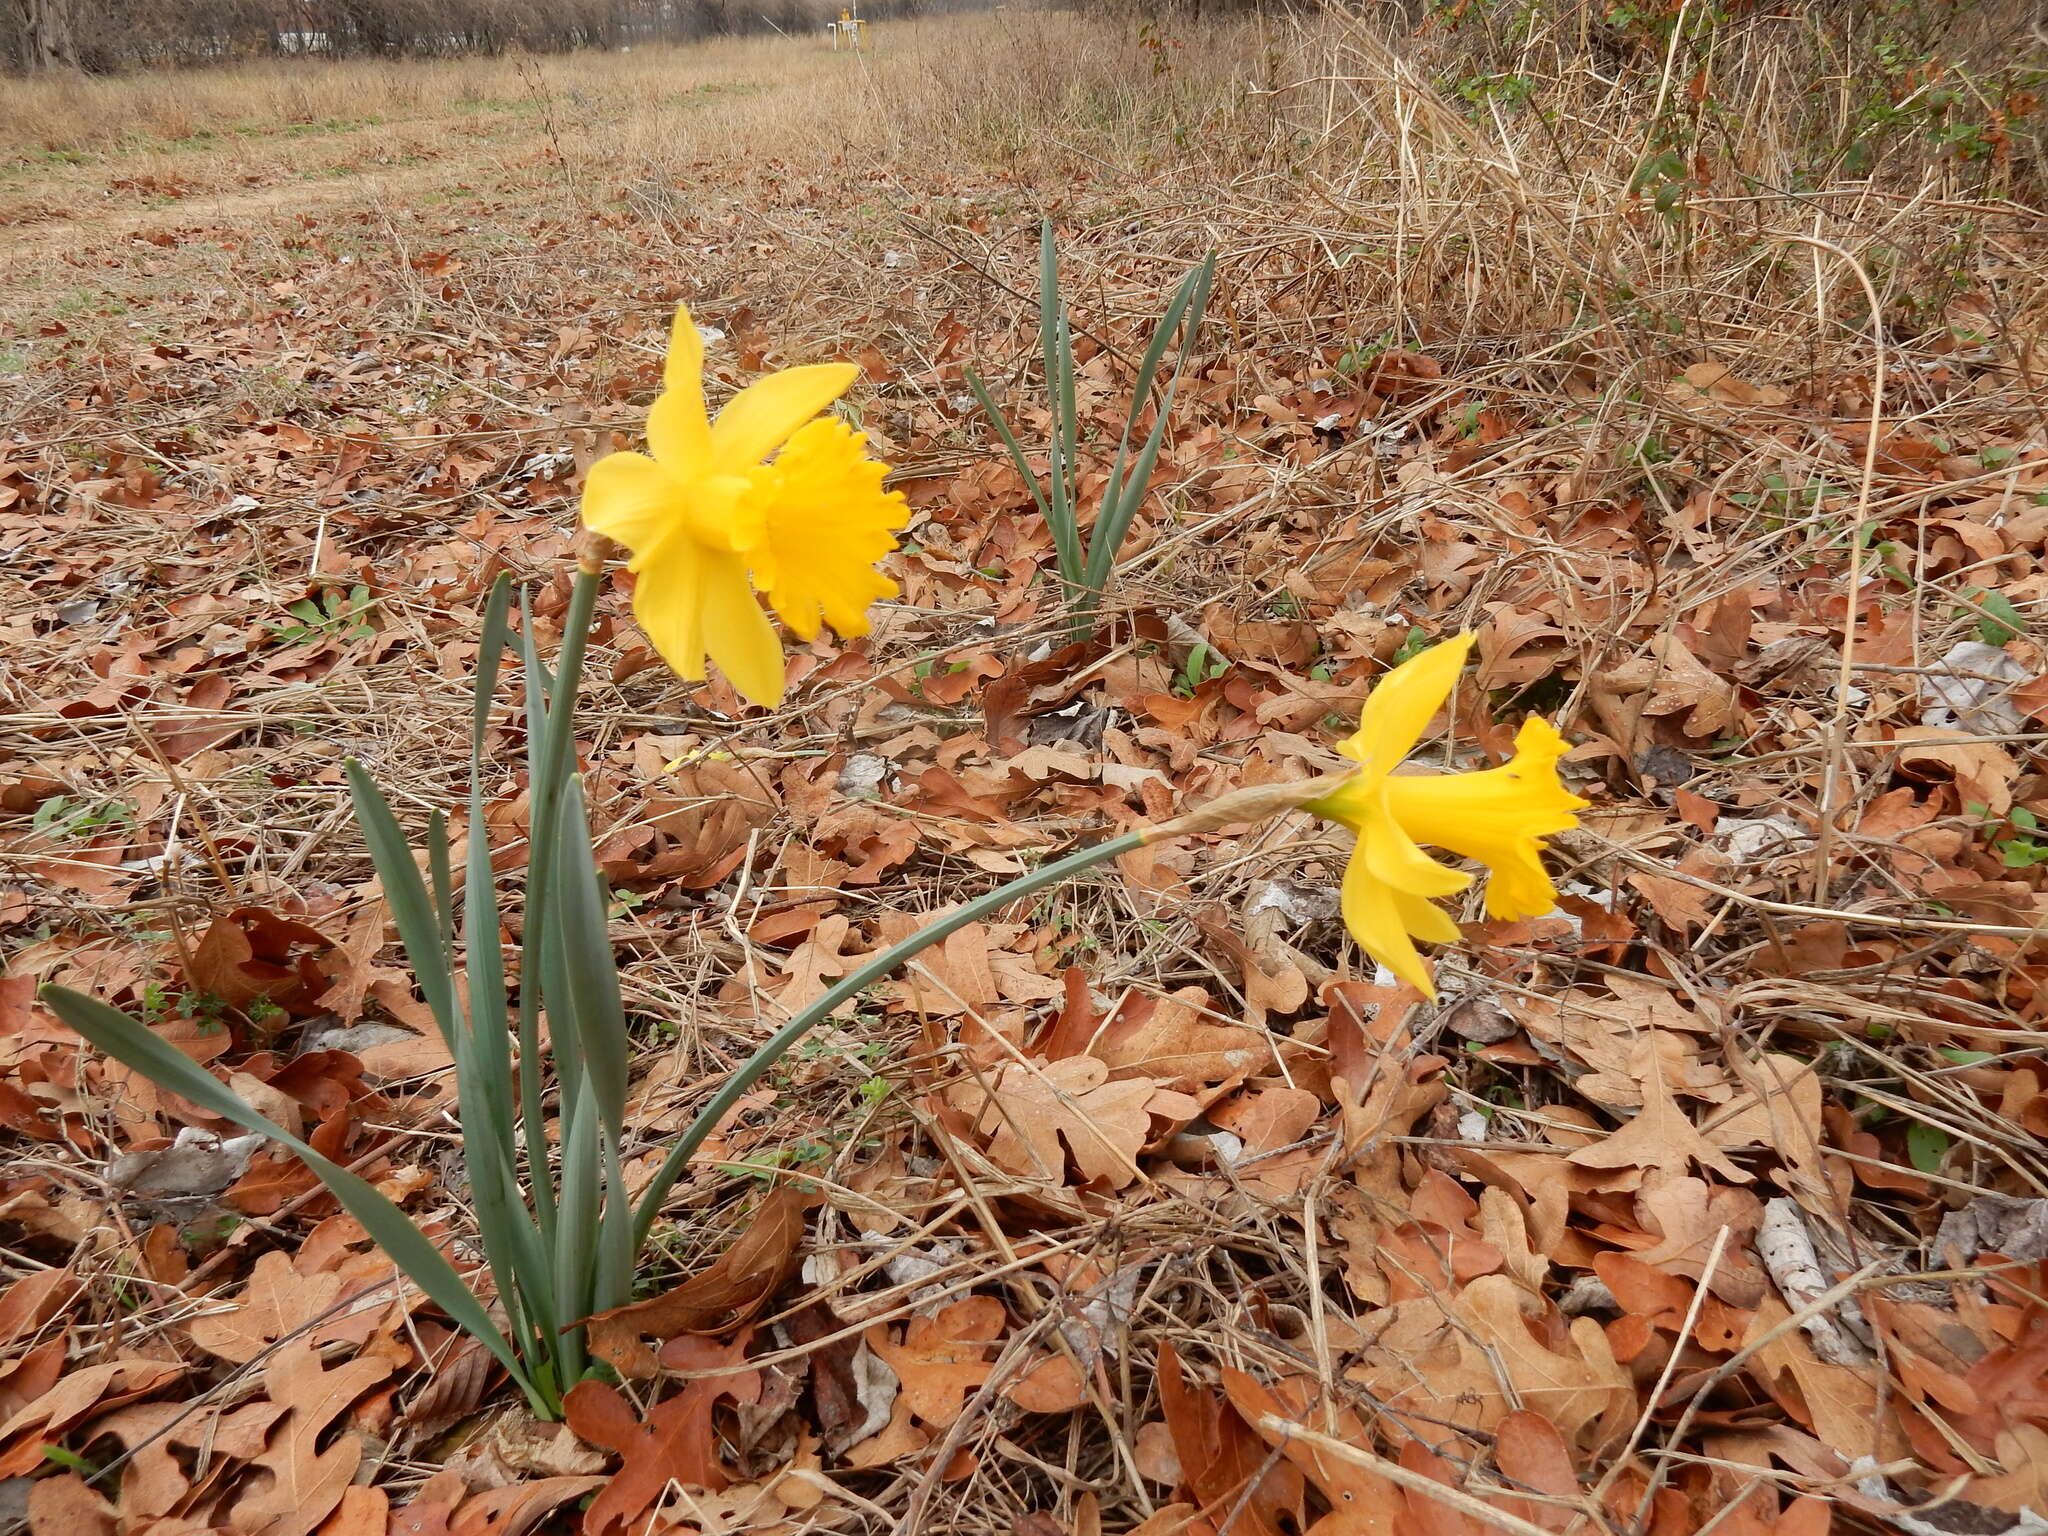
(685, 366)
(737, 633)
(1350, 803)
(631, 498)
(1373, 915)
(677, 433)
(678, 430)
(668, 603)
(1402, 704)
(1396, 862)
(1426, 920)
(765, 415)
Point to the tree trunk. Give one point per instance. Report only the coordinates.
(46, 36)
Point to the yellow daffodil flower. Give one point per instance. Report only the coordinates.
(1499, 817)
(710, 517)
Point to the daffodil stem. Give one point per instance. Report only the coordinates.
(876, 970)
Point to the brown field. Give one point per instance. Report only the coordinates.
(1559, 334)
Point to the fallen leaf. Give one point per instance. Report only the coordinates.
(1472, 1358)
(280, 1303)
(1175, 1042)
(1031, 1109)
(66, 1505)
(253, 953)
(43, 1422)
(738, 1283)
(1227, 1466)
(308, 1469)
(33, 1300)
(1659, 1136)
(1362, 1502)
(675, 1443)
(1530, 1452)
(943, 1359)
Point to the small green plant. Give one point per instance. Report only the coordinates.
(1358, 358)
(1509, 90)
(1781, 502)
(1926, 1146)
(334, 615)
(1087, 563)
(159, 1003)
(1666, 178)
(1963, 1058)
(64, 819)
(1998, 620)
(1416, 643)
(1201, 666)
(765, 1167)
(2024, 849)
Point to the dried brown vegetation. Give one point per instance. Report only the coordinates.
(1144, 1208)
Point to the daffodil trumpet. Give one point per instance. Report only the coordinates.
(772, 496)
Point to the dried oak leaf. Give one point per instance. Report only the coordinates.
(1782, 1110)
(738, 1283)
(1982, 771)
(814, 964)
(1501, 641)
(1660, 1136)
(1711, 380)
(1053, 1385)
(515, 1508)
(67, 1505)
(1031, 1109)
(1678, 682)
(27, 1376)
(1177, 1042)
(95, 1388)
(33, 1300)
(1532, 1454)
(305, 1483)
(1623, 1063)
(1227, 1467)
(1446, 1357)
(279, 1302)
(253, 953)
(1839, 1403)
(154, 1481)
(1362, 1503)
(675, 1444)
(944, 1358)
(1684, 1219)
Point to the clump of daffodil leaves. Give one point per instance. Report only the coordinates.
(777, 499)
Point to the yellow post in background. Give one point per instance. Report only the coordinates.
(849, 31)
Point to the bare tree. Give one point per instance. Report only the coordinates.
(47, 40)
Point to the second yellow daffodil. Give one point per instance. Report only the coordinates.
(1498, 816)
(710, 517)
